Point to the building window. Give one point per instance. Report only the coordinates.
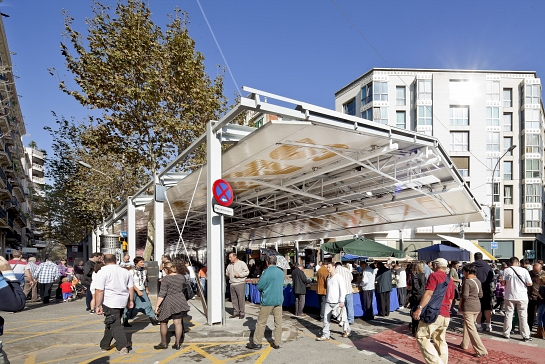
(492, 116)
(496, 196)
(459, 115)
(533, 168)
(507, 170)
(380, 91)
(531, 94)
(367, 114)
(401, 95)
(532, 193)
(508, 195)
(380, 115)
(508, 219)
(507, 143)
(507, 97)
(424, 115)
(495, 189)
(532, 143)
(400, 119)
(459, 141)
(532, 119)
(366, 94)
(462, 163)
(492, 142)
(491, 164)
(497, 217)
(532, 218)
(493, 91)
(424, 89)
(508, 121)
(350, 107)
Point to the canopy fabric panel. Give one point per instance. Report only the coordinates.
(362, 247)
(442, 251)
(312, 173)
(469, 246)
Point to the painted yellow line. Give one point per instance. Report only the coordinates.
(208, 356)
(46, 333)
(264, 355)
(243, 356)
(30, 358)
(175, 355)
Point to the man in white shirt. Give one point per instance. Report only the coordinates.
(318, 266)
(368, 289)
(516, 280)
(126, 262)
(348, 301)
(336, 294)
(114, 290)
(401, 279)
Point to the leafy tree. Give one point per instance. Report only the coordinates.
(149, 84)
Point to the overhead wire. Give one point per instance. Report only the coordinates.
(219, 48)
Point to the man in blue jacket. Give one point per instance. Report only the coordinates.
(271, 286)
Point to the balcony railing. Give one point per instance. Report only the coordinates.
(38, 167)
(39, 180)
(3, 213)
(37, 153)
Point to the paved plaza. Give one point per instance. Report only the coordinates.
(65, 333)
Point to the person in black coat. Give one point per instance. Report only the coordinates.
(418, 287)
(299, 286)
(384, 286)
(88, 269)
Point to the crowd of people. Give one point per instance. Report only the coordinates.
(431, 290)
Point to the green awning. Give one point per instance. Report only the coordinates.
(363, 248)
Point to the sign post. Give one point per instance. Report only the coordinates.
(494, 246)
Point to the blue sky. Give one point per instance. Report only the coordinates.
(303, 49)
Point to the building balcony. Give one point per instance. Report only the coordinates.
(3, 219)
(38, 156)
(5, 158)
(18, 192)
(38, 232)
(13, 205)
(4, 124)
(21, 218)
(39, 180)
(39, 243)
(6, 193)
(37, 167)
(10, 138)
(38, 219)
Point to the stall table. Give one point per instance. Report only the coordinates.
(312, 299)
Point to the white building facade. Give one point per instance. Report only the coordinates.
(477, 116)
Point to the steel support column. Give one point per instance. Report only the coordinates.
(215, 251)
(159, 226)
(131, 227)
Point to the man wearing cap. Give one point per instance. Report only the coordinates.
(436, 331)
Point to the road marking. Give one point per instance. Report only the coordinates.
(264, 355)
(528, 344)
(208, 356)
(44, 333)
(175, 355)
(366, 352)
(243, 356)
(30, 358)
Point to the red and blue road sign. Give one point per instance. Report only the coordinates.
(222, 192)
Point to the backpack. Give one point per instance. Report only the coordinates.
(431, 310)
(188, 291)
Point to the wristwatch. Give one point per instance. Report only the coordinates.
(420, 307)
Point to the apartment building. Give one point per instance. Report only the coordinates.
(35, 160)
(15, 232)
(478, 116)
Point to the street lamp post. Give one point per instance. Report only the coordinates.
(492, 208)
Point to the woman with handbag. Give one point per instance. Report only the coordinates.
(171, 302)
(470, 306)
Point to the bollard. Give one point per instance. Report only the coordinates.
(153, 278)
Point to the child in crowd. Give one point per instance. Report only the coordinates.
(66, 288)
(499, 291)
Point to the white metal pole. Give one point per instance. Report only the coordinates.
(131, 227)
(214, 233)
(159, 231)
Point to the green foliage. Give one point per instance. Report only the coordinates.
(150, 84)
